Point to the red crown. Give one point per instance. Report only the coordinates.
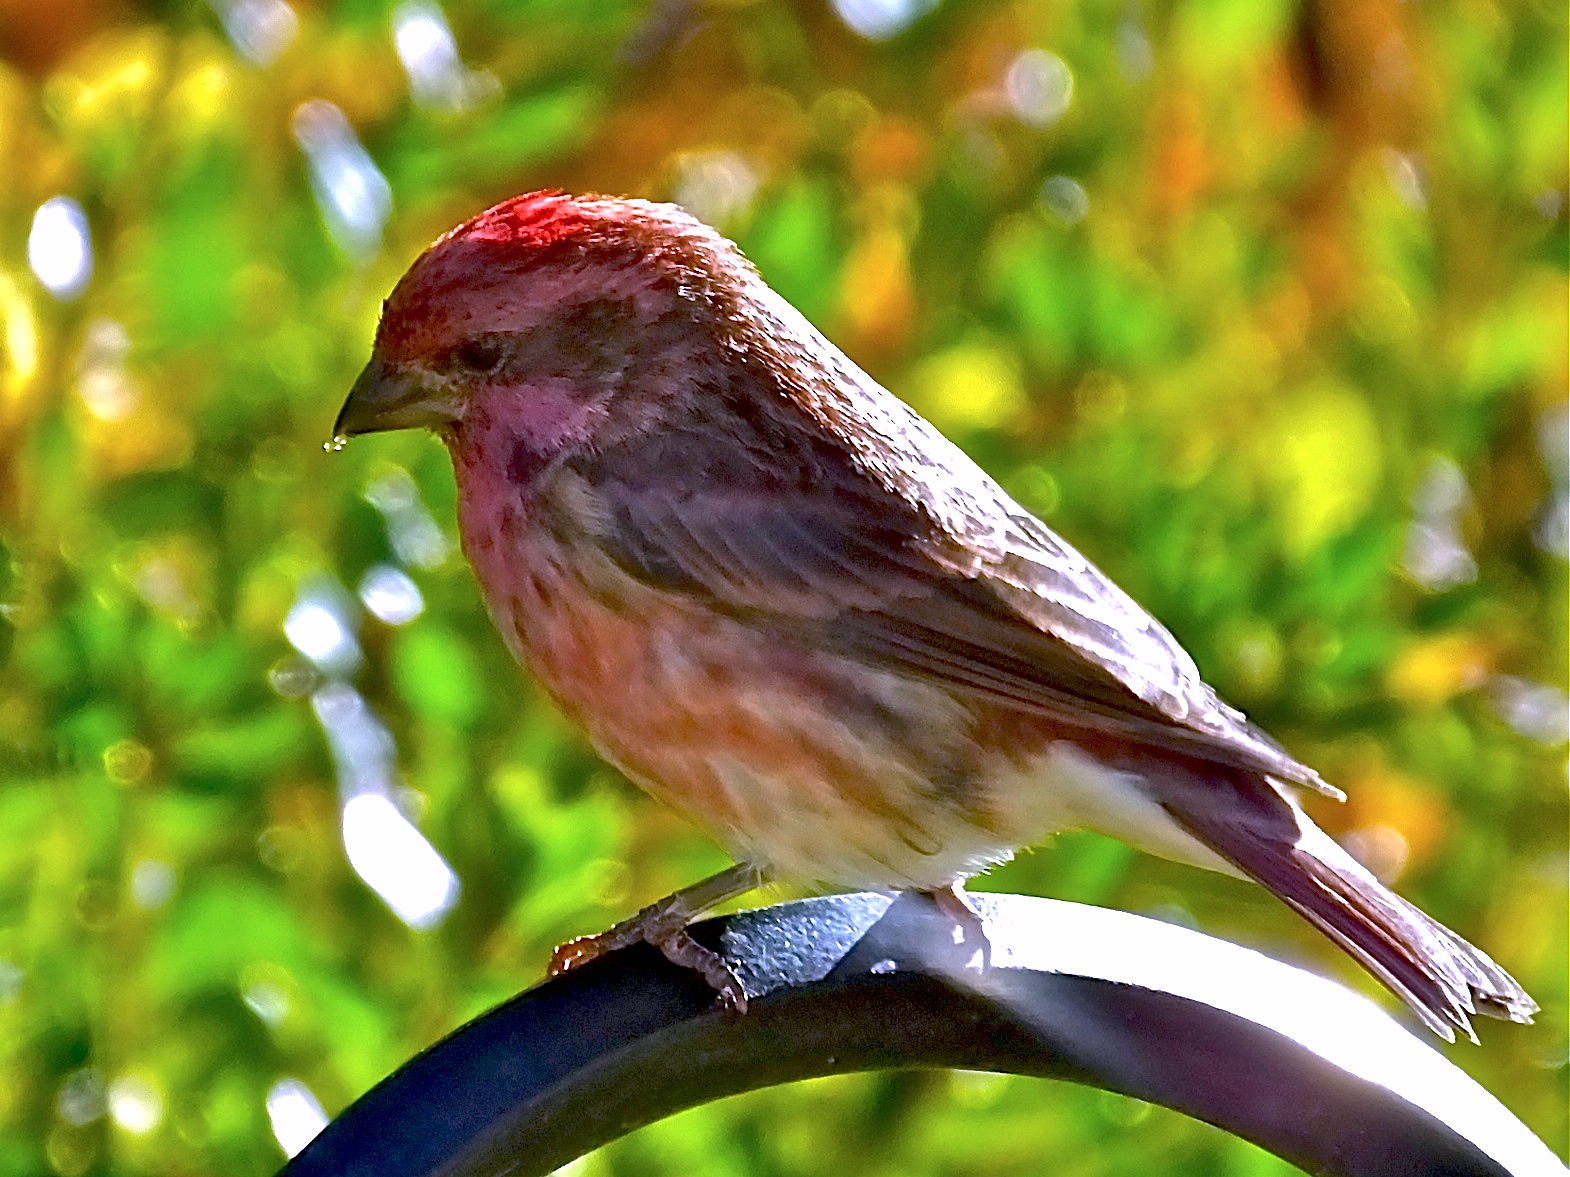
(534, 220)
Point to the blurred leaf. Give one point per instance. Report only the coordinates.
(253, 749)
(435, 674)
(794, 240)
(194, 950)
(1324, 457)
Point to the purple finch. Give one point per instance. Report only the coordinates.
(781, 602)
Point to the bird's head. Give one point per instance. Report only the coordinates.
(539, 313)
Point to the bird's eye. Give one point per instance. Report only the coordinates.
(479, 355)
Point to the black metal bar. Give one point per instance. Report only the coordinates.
(1294, 1063)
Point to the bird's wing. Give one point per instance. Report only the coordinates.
(995, 606)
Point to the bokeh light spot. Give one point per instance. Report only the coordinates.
(60, 247)
(1039, 87)
(429, 56)
(396, 861)
(390, 595)
(350, 190)
(878, 20)
(259, 29)
(135, 1104)
(295, 1113)
(319, 626)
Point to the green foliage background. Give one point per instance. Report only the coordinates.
(1269, 286)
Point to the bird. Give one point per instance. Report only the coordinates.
(781, 602)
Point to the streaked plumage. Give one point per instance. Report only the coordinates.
(784, 604)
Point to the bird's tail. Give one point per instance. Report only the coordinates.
(1442, 977)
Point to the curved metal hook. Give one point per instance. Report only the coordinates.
(1268, 1052)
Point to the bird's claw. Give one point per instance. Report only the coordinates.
(681, 949)
(576, 952)
(675, 943)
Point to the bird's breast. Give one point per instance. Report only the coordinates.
(793, 755)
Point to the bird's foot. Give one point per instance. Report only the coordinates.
(664, 925)
(655, 926)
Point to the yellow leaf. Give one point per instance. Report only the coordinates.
(1432, 670)
(970, 386)
(1323, 459)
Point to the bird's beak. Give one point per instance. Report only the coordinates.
(387, 397)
